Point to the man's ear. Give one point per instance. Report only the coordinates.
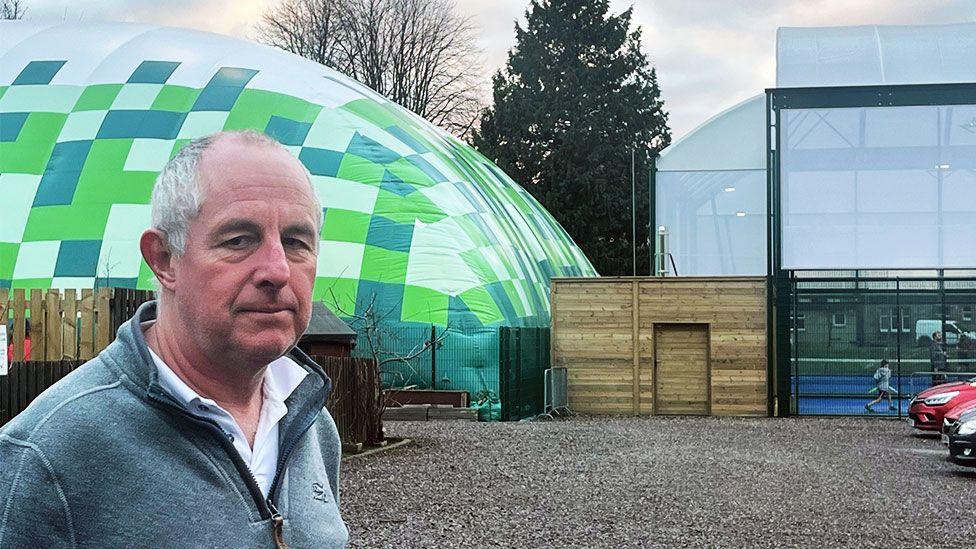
(157, 254)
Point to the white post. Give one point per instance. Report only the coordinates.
(661, 255)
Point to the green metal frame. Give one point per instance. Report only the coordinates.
(772, 388)
(778, 280)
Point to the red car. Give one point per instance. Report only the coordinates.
(927, 410)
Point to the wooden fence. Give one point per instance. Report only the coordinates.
(25, 380)
(70, 328)
(355, 402)
(73, 325)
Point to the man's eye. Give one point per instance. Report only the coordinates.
(296, 243)
(237, 242)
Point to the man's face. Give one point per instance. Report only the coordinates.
(244, 283)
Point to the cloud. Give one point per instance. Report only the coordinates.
(709, 54)
(712, 54)
(233, 17)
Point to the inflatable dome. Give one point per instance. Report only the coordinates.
(415, 220)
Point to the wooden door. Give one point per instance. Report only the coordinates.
(681, 373)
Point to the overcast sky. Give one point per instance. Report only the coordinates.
(709, 54)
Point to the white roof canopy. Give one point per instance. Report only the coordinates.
(874, 55)
(734, 139)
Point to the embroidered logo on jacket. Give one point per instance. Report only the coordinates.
(319, 492)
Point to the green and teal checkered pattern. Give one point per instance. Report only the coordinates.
(415, 220)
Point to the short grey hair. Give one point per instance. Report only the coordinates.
(177, 198)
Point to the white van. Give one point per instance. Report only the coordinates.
(924, 328)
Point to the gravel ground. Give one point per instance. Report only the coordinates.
(650, 482)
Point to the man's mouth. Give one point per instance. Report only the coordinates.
(267, 310)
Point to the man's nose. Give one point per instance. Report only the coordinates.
(273, 268)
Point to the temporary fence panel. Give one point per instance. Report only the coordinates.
(842, 328)
(557, 390)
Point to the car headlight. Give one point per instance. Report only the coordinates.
(940, 398)
(968, 428)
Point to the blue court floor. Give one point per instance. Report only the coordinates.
(847, 394)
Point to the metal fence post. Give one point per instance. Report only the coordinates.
(782, 344)
(795, 343)
(945, 342)
(518, 374)
(433, 356)
(543, 364)
(503, 375)
(942, 308)
(898, 339)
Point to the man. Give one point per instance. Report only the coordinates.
(194, 428)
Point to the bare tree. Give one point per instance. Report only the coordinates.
(373, 324)
(419, 53)
(395, 369)
(309, 28)
(12, 9)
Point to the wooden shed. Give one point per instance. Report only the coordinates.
(662, 345)
(327, 334)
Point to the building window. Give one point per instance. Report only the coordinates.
(888, 321)
(967, 313)
(839, 320)
(800, 322)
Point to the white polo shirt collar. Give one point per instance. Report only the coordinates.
(281, 378)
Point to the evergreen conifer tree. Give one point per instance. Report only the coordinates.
(576, 96)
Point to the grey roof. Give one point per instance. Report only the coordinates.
(325, 323)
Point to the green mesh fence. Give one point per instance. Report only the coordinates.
(500, 367)
(842, 328)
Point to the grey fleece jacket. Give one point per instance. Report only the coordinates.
(105, 458)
